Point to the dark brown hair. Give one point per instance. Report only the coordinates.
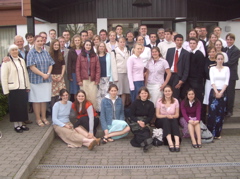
(77, 104)
(163, 98)
(112, 86)
(156, 48)
(143, 89)
(84, 53)
(186, 100)
(59, 56)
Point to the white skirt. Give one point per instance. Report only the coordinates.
(40, 93)
(208, 88)
(155, 93)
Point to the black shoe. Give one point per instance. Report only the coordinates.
(146, 142)
(18, 129)
(195, 146)
(229, 114)
(24, 128)
(177, 149)
(171, 148)
(147, 147)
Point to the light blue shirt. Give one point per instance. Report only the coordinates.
(61, 113)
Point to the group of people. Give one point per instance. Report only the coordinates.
(165, 78)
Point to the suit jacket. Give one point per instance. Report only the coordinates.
(149, 45)
(48, 44)
(158, 41)
(233, 57)
(183, 62)
(197, 64)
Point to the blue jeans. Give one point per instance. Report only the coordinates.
(137, 86)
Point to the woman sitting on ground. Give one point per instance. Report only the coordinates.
(142, 112)
(112, 116)
(86, 114)
(167, 113)
(64, 128)
(191, 111)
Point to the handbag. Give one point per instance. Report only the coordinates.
(135, 126)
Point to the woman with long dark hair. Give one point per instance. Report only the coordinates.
(57, 71)
(86, 114)
(88, 72)
(64, 128)
(191, 111)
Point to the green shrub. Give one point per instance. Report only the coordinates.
(3, 104)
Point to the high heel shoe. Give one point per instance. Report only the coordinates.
(171, 148)
(92, 145)
(195, 146)
(177, 149)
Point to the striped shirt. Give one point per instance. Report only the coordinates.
(42, 60)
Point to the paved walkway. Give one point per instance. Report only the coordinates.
(20, 155)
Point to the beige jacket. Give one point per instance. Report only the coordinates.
(119, 62)
(10, 76)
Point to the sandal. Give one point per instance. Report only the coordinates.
(177, 148)
(109, 139)
(104, 140)
(45, 121)
(40, 123)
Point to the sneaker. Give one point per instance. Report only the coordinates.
(18, 129)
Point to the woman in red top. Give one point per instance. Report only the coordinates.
(86, 115)
(88, 72)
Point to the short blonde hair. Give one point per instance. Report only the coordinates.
(11, 47)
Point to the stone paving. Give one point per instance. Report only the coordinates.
(15, 148)
(122, 153)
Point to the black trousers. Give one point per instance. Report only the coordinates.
(140, 136)
(84, 121)
(173, 82)
(230, 95)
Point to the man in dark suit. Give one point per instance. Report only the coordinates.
(203, 34)
(178, 60)
(153, 39)
(233, 56)
(30, 39)
(66, 35)
(52, 35)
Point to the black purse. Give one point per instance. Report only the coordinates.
(135, 126)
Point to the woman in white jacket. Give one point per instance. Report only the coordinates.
(119, 59)
(15, 84)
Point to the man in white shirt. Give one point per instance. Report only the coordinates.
(168, 43)
(119, 31)
(161, 35)
(153, 40)
(66, 35)
(217, 31)
(143, 33)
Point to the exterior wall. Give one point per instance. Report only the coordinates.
(235, 30)
(124, 9)
(11, 17)
(181, 28)
(102, 23)
(22, 29)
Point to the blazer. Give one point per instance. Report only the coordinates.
(233, 57)
(149, 45)
(82, 68)
(71, 62)
(183, 62)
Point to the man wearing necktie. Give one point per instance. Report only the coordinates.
(66, 35)
(153, 39)
(178, 60)
(233, 56)
(143, 33)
